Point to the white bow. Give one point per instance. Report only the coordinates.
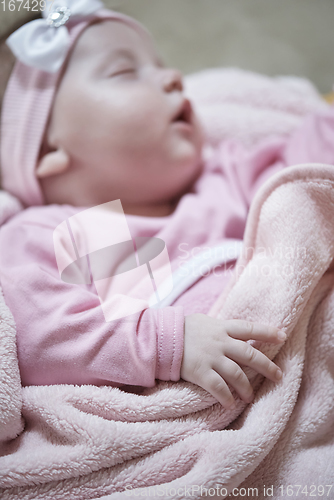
(44, 43)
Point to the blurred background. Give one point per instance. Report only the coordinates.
(272, 37)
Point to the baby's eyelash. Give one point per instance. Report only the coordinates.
(127, 70)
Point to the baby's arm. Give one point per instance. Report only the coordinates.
(213, 350)
(62, 334)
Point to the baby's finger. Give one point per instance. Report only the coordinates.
(236, 377)
(215, 385)
(247, 355)
(247, 330)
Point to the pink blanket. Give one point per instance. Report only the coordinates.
(100, 442)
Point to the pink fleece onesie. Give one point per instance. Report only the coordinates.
(62, 336)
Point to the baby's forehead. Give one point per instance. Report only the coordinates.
(109, 39)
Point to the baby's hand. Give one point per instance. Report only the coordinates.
(213, 350)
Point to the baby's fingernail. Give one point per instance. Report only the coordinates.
(279, 374)
(281, 335)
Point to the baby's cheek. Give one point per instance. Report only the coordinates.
(141, 131)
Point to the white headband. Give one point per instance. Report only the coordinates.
(43, 43)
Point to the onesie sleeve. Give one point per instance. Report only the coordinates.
(246, 169)
(62, 335)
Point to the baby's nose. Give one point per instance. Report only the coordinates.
(172, 79)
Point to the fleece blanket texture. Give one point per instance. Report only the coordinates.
(175, 440)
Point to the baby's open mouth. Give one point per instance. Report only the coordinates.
(184, 113)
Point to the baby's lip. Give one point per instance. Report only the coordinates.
(184, 113)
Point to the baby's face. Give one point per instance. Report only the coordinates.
(114, 115)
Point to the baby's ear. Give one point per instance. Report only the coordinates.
(54, 162)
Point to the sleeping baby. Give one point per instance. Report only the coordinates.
(92, 115)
